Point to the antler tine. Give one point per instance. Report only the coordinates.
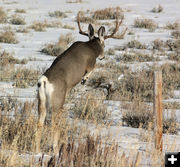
(79, 26)
(116, 29)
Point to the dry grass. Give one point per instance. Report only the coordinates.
(41, 26)
(20, 11)
(90, 109)
(140, 114)
(108, 13)
(8, 36)
(57, 14)
(176, 34)
(67, 26)
(74, 1)
(139, 84)
(173, 26)
(145, 23)
(157, 9)
(158, 44)
(8, 59)
(135, 57)
(17, 20)
(22, 30)
(3, 16)
(135, 44)
(174, 57)
(173, 45)
(57, 48)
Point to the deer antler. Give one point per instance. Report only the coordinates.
(79, 26)
(120, 36)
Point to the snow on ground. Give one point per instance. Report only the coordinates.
(30, 44)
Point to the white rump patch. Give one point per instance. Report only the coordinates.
(45, 90)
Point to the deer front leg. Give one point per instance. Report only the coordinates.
(86, 76)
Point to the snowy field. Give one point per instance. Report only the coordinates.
(31, 43)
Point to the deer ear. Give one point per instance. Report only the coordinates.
(101, 33)
(90, 31)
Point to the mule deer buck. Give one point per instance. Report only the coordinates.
(68, 69)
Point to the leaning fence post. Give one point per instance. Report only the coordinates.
(157, 109)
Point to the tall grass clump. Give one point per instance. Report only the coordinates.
(157, 9)
(57, 14)
(90, 109)
(8, 36)
(108, 13)
(3, 16)
(17, 20)
(57, 48)
(20, 11)
(140, 114)
(7, 59)
(173, 25)
(145, 23)
(25, 78)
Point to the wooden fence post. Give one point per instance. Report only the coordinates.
(157, 109)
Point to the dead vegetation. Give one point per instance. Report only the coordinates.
(149, 24)
(20, 11)
(138, 114)
(3, 16)
(108, 13)
(17, 20)
(57, 48)
(173, 25)
(135, 57)
(157, 9)
(57, 14)
(8, 59)
(89, 109)
(8, 36)
(42, 25)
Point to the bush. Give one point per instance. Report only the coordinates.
(145, 23)
(157, 9)
(137, 57)
(58, 14)
(20, 11)
(57, 48)
(174, 57)
(38, 26)
(158, 44)
(7, 59)
(176, 34)
(108, 13)
(90, 109)
(136, 44)
(139, 114)
(3, 16)
(8, 36)
(25, 78)
(173, 26)
(17, 20)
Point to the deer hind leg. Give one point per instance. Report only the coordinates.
(57, 110)
(44, 93)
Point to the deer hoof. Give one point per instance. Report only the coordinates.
(83, 81)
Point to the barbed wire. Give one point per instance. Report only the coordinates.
(77, 98)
